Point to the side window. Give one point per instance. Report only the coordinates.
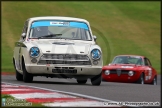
(25, 28)
(147, 62)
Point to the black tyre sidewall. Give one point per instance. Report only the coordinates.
(96, 80)
(19, 77)
(154, 80)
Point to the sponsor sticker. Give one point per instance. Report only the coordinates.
(60, 23)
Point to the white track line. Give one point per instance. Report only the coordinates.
(76, 104)
(40, 95)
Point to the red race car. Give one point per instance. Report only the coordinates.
(130, 69)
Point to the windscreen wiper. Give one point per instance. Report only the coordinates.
(126, 63)
(50, 35)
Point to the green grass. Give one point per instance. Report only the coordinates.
(120, 27)
(7, 97)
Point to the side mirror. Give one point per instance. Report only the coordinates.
(95, 38)
(23, 35)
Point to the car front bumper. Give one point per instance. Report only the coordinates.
(47, 69)
(122, 78)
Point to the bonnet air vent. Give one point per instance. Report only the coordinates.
(62, 43)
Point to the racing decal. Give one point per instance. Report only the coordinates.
(148, 74)
(126, 66)
(146, 77)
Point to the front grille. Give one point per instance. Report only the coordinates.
(122, 71)
(65, 59)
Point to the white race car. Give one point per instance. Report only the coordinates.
(62, 47)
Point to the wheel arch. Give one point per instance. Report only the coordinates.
(143, 74)
(22, 60)
(13, 61)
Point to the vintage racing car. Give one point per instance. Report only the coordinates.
(62, 47)
(130, 69)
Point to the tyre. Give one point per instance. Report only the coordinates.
(141, 79)
(96, 80)
(27, 77)
(154, 82)
(81, 81)
(19, 76)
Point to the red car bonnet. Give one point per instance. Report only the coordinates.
(114, 66)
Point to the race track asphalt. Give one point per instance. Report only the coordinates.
(107, 90)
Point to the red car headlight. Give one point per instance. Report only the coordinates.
(130, 73)
(107, 72)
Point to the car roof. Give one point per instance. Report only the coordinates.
(58, 18)
(131, 55)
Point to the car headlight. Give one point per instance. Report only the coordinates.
(130, 73)
(107, 72)
(34, 52)
(95, 54)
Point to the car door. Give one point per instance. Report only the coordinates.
(18, 45)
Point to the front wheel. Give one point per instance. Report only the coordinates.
(141, 79)
(27, 77)
(19, 77)
(154, 82)
(96, 80)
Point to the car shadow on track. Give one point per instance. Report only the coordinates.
(40, 80)
(63, 83)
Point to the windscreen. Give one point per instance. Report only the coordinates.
(128, 60)
(60, 30)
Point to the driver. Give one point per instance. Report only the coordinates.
(41, 31)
